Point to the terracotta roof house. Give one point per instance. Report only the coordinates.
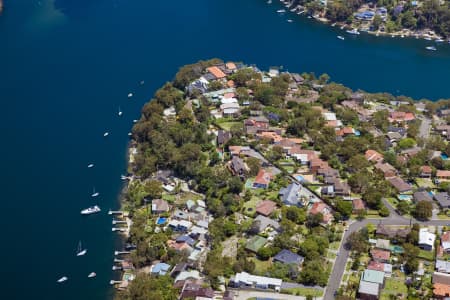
(316, 164)
(273, 136)
(231, 66)
(380, 255)
(443, 199)
(263, 179)
(426, 172)
(358, 205)
(218, 74)
(159, 206)
(373, 156)
(441, 291)
(236, 150)
(325, 210)
(196, 291)
(288, 257)
(400, 185)
(400, 116)
(443, 175)
(387, 170)
(265, 207)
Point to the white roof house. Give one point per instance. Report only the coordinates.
(369, 288)
(426, 238)
(193, 274)
(329, 116)
(228, 100)
(442, 266)
(257, 281)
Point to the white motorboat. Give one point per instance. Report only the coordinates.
(341, 37)
(94, 193)
(90, 165)
(334, 24)
(62, 279)
(269, 1)
(92, 275)
(106, 134)
(135, 121)
(91, 210)
(142, 82)
(80, 250)
(130, 95)
(431, 48)
(130, 134)
(427, 38)
(439, 41)
(120, 112)
(353, 31)
(280, 11)
(290, 21)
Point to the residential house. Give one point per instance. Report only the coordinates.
(373, 276)
(383, 244)
(255, 243)
(185, 275)
(382, 256)
(443, 175)
(238, 166)
(325, 210)
(182, 225)
(368, 290)
(387, 170)
(262, 179)
(290, 194)
(236, 150)
(445, 241)
(265, 207)
(302, 155)
(441, 291)
(441, 278)
(443, 199)
(244, 279)
(216, 72)
(422, 196)
(358, 205)
(426, 239)
(230, 110)
(264, 222)
(255, 124)
(400, 185)
(179, 247)
(159, 206)
(316, 164)
(400, 116)
(382, 267)
(223, 137)
(160, 269)
(374, 156)
(442, 266)
(392, 232)
(196, 291)
(426, 172)
(288, 257)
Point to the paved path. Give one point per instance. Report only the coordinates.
(425, 126)
(341, 260)
(244, 295)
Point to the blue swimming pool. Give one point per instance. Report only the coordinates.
(161, 221)
(404, 197)
(299, 178)
(444, 156)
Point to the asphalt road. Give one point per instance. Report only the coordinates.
(425, 126)
(341, 259)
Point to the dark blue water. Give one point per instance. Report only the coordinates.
(64, 72)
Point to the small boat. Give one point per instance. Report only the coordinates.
(94, 193)
(341, 37)
(427, 38)
(402, 36)
(90, 165)
(62, 279)
(353, 31)
(439, 41)
(280, 11)
(293, 10)
(334, 24)
(120, 112)
(106, 134)
(431, 48)
(269, 2)
(130, 95)
(135, 121)
(130, 134)
(142, 82)
(290, 21)
(342, 27)
(92, 275)
(300, 12)
(80, 250)
(91, 210)
(123, 177)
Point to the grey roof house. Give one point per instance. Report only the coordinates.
(288, 257)
(289, 194)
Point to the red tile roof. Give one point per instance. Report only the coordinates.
(442, 173)
(372, 155)
(358, 204)
(426, 169)
(216, 72)
(380, 254)
(373, 265)
(265, 207)
(263, 177)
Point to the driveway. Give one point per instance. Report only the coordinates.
(425, 127)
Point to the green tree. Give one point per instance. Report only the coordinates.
(145, 287)
(423, 210)
(403, 207)
(345, 208)
(153, 189)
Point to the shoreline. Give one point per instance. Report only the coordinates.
(426, 34)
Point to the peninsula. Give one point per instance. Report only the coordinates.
(249, 184)
(428, 19)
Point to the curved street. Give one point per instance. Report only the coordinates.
(341, 260)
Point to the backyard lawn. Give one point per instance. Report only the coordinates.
(393, 287)
(228, 125)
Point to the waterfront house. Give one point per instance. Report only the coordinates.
(265, 207)
(379, 255)
(288, 257)
(159, 206)
(160, 269)
(196, 291)
(426, 239)
(290, 194)
(243, 279)
(216, 72)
